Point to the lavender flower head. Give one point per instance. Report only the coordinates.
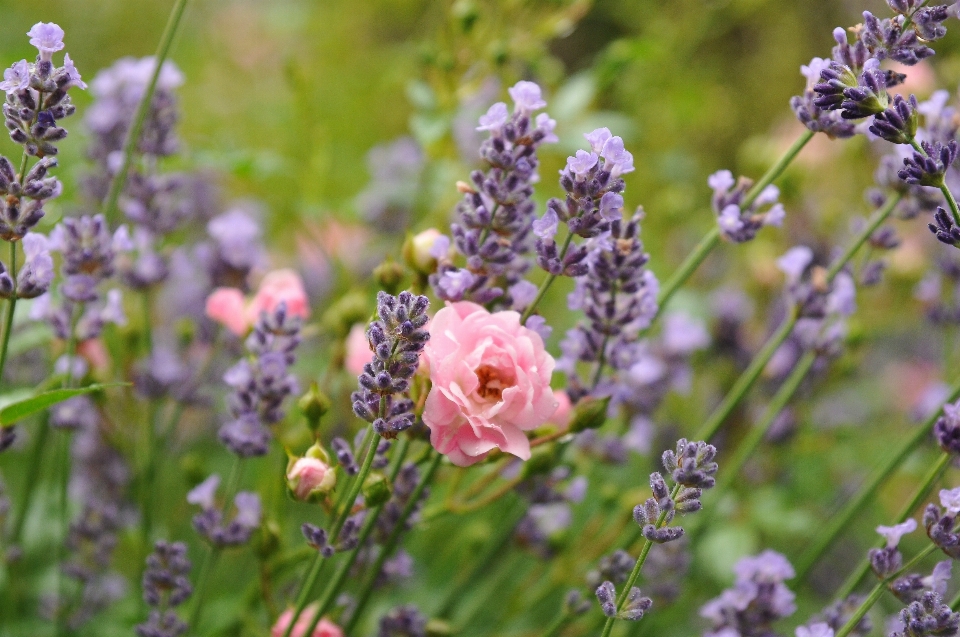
(261, 383)
(495, 218)
(740, 222)
(947, 429)
(210, 523)
(396, 338)
(757, 599)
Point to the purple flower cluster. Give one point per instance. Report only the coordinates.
(887, 561)
(757, 599)
(928, 617)
(165, 586)
(618, 296)
(691, 468)
(495, 218)
(403, 621)
(396, 338)
(739, 223)
(261, 383)
(210, 522)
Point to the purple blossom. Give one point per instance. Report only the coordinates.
(894, 533)
(527, 97)
(582, 163)
(204, 494)
(73, 75)
(598, 138)
(611, 206)
(950, 500)
(47, 37)
(37, 273)
(739, 224)
(546, 226)
(495, 118)
(16, 78)
(795, 262)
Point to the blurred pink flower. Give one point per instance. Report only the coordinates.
(491, 383)
(280, 286)
(227, 306)
(561, 417)
(358, 350)
(325, 628)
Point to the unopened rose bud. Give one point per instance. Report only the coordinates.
(314, 404)
(376, 490)
(311, 477)
(418, 251)
(589, 413)
(389, 275)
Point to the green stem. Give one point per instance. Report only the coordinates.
(841, 520)
(635, 574)
(690, 264)
(200, 592)
(11, 308)
(367, 587)
(955, 602)
(747, 447)
(496, 549)
(303, 595)
(63, 507)
(918, 496)
(133, 135)
(877, 591)
(558, 624)
(747, 378)
(879, 217)
(31, 479)
(777, 169)
(546, 283)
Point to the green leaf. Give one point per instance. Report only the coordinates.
(19, 409)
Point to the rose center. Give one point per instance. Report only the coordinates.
(492, 383)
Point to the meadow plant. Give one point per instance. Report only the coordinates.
(451, 439)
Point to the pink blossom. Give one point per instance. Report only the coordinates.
(228, 307)
(325, 628)
(278, 286)
(310, 477)
(491, 383)
(561, 417)
(358, 350)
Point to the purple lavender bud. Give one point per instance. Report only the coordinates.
(607, 596)
(615, 567)
(575, 604)
(165, 578)
(403, 621)
(898, 123)
(8, 435)
(944, 229)
(37, 273)
(947, 429)
(928, 168)
(928, 617)
(635, 605)
(929, 22)
(692, 464)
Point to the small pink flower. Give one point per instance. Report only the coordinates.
(94, 351)
(280, 286)
(227, 306)
(325, 628)
(358, 350)
(311, 477)
(491, 383)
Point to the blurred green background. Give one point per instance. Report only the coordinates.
(284, 99)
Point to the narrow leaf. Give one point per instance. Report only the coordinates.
(20, 409)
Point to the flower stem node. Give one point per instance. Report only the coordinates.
(314, 404)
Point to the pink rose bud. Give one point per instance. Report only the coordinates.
(325, 628)
(228, 307)
(491, 383)
(358, 349)
(280, 286)
(311, 477)
(561, 417)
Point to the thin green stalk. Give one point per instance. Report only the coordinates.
(307, 584)
(876, 220)
(777, 169)
(747, 447)
(690, 264)
(496, 549)
(385, 552)
(133, 135)
(635, 574)
(546, 283)
(31, 479)
(877, 591)
(200, 592)
(955, 602)
(918, 496)
(62, 506)
(11, 308)
(558, 624)
(747, 378)
(841, 520)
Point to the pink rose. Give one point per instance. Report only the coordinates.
(311, 477)
(228, 307)
(561, 417)
(280, 286)
(491, 382)
(358, 350)
(325, 628)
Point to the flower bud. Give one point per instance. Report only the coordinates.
(314, 404)
(376, 490)
(589, 413)
(311, 477)
(389, 275)
(417, 251)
